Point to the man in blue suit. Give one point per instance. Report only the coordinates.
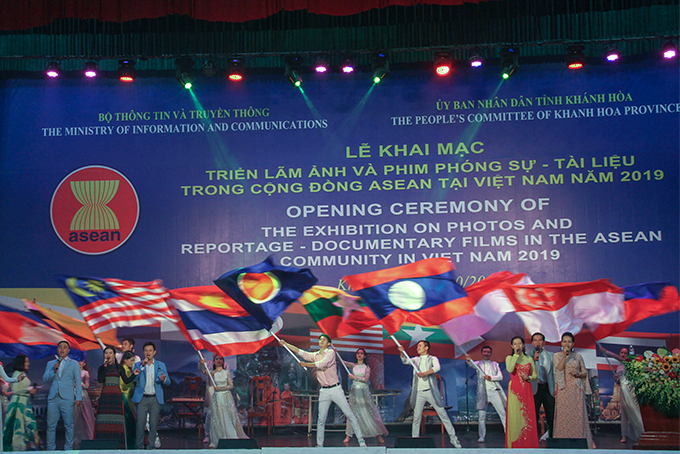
(150, 374)
(66, 390)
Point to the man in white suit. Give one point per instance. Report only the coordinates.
(66, 391)
(544, 387)
(489, 389)
(423, 389)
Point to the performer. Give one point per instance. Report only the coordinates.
(207, 400)
(521, 425)
(360, 400)
(110, 423)
(489, 390)
(83, 419)
(150, 375)
(544, 386)
(571, 387)
(224, 421)
(631, 419)
(127, 389)
(330, 390)
(66, 391)
(422, 390)
(128, 345)
(19, 412)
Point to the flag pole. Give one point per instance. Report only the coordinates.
(474, 364)
(286, 347)
(408, 357)
(343, 363)
(212, 379)
(599, 345)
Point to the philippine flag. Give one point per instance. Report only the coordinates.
(424, 292)
(214, 321)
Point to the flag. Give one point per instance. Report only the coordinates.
(335, 312)
(640, 302)
(27, 334)
(114, 303)
(424, 292)
(490, 304)
(554, 309)
(214, 321)
(370, 339)
(265, 290)
(77, 329)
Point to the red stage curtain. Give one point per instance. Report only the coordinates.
(24, 14)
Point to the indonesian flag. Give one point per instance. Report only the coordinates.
(490, 305)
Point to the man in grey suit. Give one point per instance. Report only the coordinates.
(151, 374)
(66, 391)
(544, 387)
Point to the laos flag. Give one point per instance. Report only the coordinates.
(424, 293)
(265, 290)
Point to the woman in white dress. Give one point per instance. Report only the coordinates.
(361, 402)
(8, 379)
(224, 422)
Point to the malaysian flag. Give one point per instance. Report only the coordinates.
(370, 339)
(114, 303)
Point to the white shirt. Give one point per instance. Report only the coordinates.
(149, 387)
(423, 382)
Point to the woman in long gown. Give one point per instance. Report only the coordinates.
(127, 388)
(521, 428)
(224, 422)
(21, 431)
(83, 420)
(360, 401)
(7, 380)
(110, 422)
(631, 419)
(571, 387)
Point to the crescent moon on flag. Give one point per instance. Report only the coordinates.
(72, 284)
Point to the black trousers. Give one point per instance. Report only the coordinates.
(543, 397)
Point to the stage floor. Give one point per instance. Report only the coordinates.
(288, 440)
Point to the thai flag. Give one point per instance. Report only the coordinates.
(265, 290)
(27, 334)
(424, 292)
(114, 303)
(213, 321)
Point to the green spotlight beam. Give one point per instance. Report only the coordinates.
(219, 149)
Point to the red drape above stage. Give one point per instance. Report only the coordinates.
(24, 14)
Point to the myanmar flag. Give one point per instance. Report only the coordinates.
(335, 312)
(424, 292)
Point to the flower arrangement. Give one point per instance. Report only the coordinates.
(656, 379)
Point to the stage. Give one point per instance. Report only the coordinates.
(289, 440)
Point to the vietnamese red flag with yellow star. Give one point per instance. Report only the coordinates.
(213, 321)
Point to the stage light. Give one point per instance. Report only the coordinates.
(53, 69)
(669, 50)
(321, 65)
(185, 72)
(381, 67)
(347, 66)
(476, 60)
(126, 70)
(509, 62)
(209, 69)
(294, 70)
(443, 63)
(235, 70)
(575, 57)
(612, 53)
(90, 69)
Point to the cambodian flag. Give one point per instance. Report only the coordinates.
(265, 290)
(424, 292)
(27, 334)
(214, 321)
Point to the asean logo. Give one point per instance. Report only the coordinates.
(94, 210)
